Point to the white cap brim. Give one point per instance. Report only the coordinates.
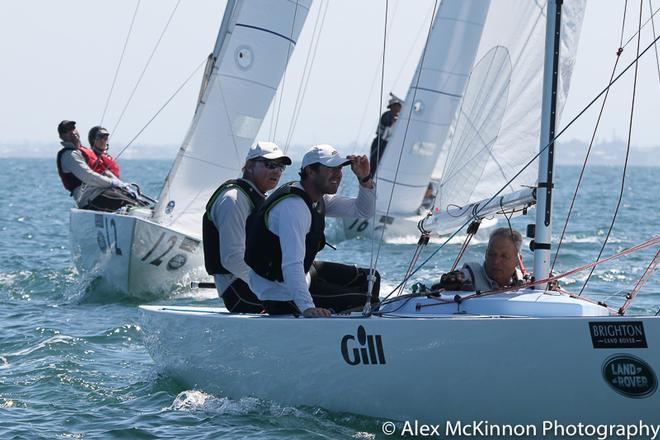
(278, 155)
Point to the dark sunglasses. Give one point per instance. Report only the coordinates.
(271, 165)
(102, 136)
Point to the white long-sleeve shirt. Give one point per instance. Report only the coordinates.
(93, 183)
(291, 220)
(229, 213)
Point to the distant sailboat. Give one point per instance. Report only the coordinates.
(470, 120)
(145, 252)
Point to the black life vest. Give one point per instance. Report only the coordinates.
(210, 234)
(263, 252)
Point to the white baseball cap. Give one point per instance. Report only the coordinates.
(324, 154)
(267, 150)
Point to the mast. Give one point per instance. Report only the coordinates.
(543, 229)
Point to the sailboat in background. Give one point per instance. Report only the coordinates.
(548, 355)
(143, 251)
(470, 121)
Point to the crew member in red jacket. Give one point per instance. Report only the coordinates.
(91, 179)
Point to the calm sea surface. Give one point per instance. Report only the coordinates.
(75, 367)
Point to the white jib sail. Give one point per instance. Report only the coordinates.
(430, 105)
(496, 131)
(255, 42)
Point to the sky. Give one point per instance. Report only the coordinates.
(59, 59)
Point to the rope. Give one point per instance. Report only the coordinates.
(541, 151)
(640, 283)
(625, 164)
(591, 143)
(121, 59)
(162, 107)
(130, 98)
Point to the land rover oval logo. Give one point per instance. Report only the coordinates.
(630, 376)
(176, 262)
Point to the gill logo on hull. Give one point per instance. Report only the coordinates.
(366, 350)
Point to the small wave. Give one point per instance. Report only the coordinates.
(194, 400)
(47, 343)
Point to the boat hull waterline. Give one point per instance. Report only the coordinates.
(132, 255)
(506, 370)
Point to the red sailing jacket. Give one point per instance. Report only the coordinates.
(96, 163)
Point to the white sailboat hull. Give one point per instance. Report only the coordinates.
(432, 368)
(131, 255)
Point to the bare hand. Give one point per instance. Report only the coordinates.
(359, 166)
(316, 312)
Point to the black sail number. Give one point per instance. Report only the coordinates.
(158, 260)
(111, 224)
(360, 227)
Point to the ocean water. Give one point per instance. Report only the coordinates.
(74, 366)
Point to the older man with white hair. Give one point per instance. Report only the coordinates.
(223, 224)
(498, 269)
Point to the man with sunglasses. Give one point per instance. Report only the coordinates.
(287, 231)
(223, 224)
(92, 179)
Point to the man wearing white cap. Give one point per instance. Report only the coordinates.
(223, 224)
(287, 232)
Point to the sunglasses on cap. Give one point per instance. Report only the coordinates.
(272, 165)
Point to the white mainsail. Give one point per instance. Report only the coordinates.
(255, 42)
(430, 105)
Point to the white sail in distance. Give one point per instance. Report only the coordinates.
(431, 102)
(496, 131)
(254, 45)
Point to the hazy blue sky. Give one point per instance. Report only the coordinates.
(59, 57)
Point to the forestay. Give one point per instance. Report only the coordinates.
(430, 105)
(496, 131)
(255, 42)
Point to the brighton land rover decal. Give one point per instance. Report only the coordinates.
(363, 349)
(630, 376)
(627, 334)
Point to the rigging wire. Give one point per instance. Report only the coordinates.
(625, 163)
(309, 61)
(162, 107)
(657, 59)
(632, 37)
(640, 283)
(373, 261)
(144, 70)
(533, 159)
(288, 55)
(591, 143)
(121, 59)
(405, 133)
